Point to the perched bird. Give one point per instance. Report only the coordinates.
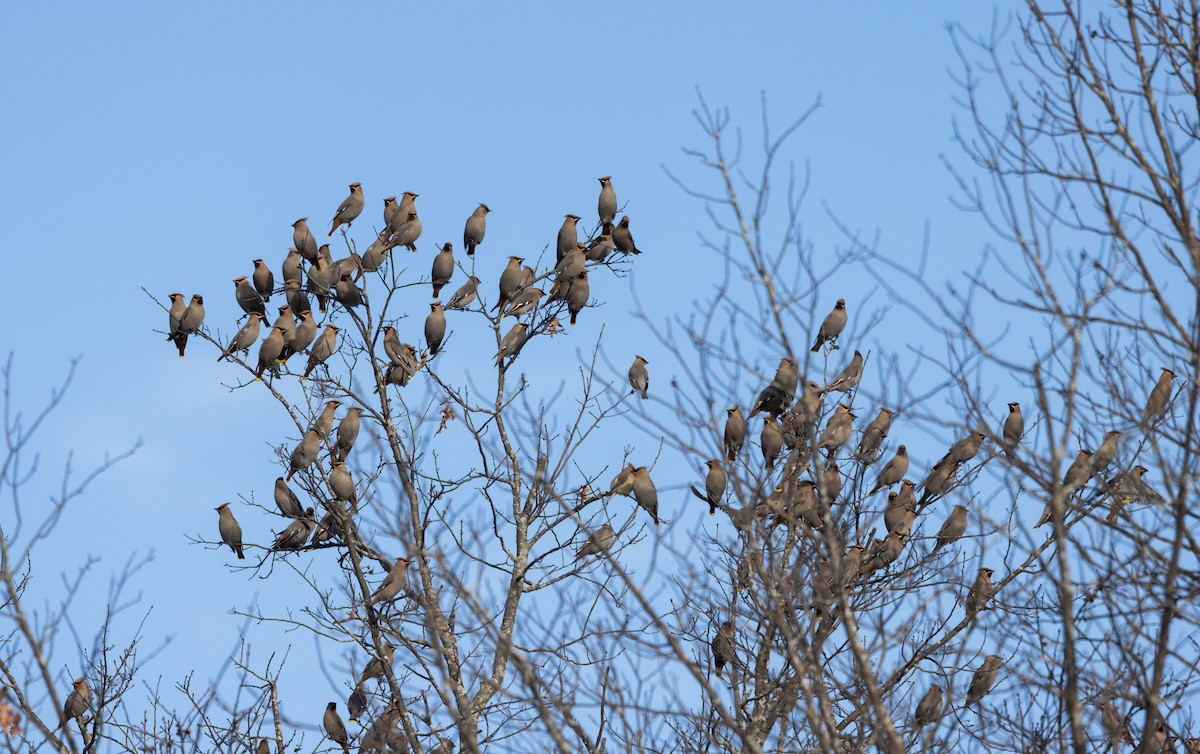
(356, 705)
(335, 728)
(1107, 451)
(510, 282)
(597, 542)
(443, 268)
(873, 436)
(322, 349)
(512, 343)
(347, 293)
(263, 279)
(929, 709)
(347, 432)
(296, 533)
(245, 337)
(305, 453)
(939, 481)
(639, 378)
(176, 312)
(293, 268)
(714, 486)
(645, 493)
(264, 746)
(607, 206)
(568, 236)
(1114, 726)
(465, 295)
(306, 333)
(837, 429)
(374, 668)
(908, 497)
(735, 432)
(953, 528)
(723, 646)
(349, 210)
(296, 298)
(602, 245)
(578, 294)
(1128, 487)
(400, 212)
(622, 483)
(395, 582)
(323, 277)
(847, 379)
(391, 211)
(246, 296)
(341, 484)
(392, 345)
(980, 592)
(1079, 472)
(323, 424)
(270, 350)
(385, 736)
(983, 679)
(778, 395)
(286, 500)
(964, 450)
(894, 513)
(78, 703)
(287, 323)
(1160, 396)
(1014, 428)
(303, 241)
(189, 321)
(832, 325)
(623, 238)
(524, 302)
(475, 229)
(231, 531)
(885, 551)
(569, 267)
(435, 328)
(830, 483)
(893, 471)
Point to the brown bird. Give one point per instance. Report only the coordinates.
(322, 349)
(837, 429)
(771, 442)
(188, 322)
(622, 483)
(245, 337)
(578, 294)
(303, 241)
(264, 279)
(295, 534)
(512, 343)
(735, 432)
(347, 432)
(510, 282)
(983, 679)
(639, 378)
(435, 328)
(953, 528)
(231, 531)
(929, 709)
(568, 237)
(1014, 428)
(356, 705)
(270, 350)
(323, 424)
(893, 471)
(645, 493)
(873, 436)
(1107, 451)
(247, 297)
(1114, 726)
(286, 500)
(78, 703)
(723, 646)
(393, 584)
(374, 668)
(832, 326)
(894, 513)
(1079, 472)
(443, 268)
(465, 295)
(939, 481)
(349, 210)
(623, 238)
(341, 483)
(830, 485)
(264, 746)
(885, 551)
(714, 486)
(847, 379)
(607, 204)
(1128, 487)
(305, 453)
(964, 450)
(598, 542)
(335, 728)
(475, 229)
(980, 592)
(1160, 396)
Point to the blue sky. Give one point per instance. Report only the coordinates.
(166, 146)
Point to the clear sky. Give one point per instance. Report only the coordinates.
(167, 145)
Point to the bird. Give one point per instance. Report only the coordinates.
(231, 531)
(832, 325)
(303, 241)
(964, 450)
(286, 500)
(771, 442)
(938, 481)
(341, 484)
(246, 296)
(837, 429)
(406, 204)
(176, 311)
(623, 238)
(512, 343)
(773, 401)
(639, 378)
(263, 279)
(929, 708)
(979, 593)
(735, 432)
(622, 483)
(893, 471)
(1160, 396)
(1107, 451)
(323, 424)
(475, 229)
(568, 237)
(894, 513)
(306, 333)
(847, 379)
(578, 294)
(607, 206)
(356, 705)
(600, 246)
(597, 542)
(305, 453)
(347, 293)
(953, 528)
(465, 295)
(293, 267)
(569, 267)
(390, 211)
(245, 337)
(374, 668)
(873, 436)
(297, 299)
(443, 268)
(1014, 428)
(270, 350)
(524, 302)
(287, 322)
(983, 679)
(264, 746)
(1113, 723)
(645, 493)
(78, 703)
(408, 232)
(322, 349)
(435, 328)
(830, 483)
(1079, 472)
(349, 210)
(723, 646)
(510, 282)
(188, 322)
(714, 486)
(295, 534)
(395, 582)
(335, 728)
(347, 432)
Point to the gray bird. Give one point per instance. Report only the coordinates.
(289, 504)
(832, 326)
(714, 486)
(443, 268)
(306, 333)
(465, 295)
(323, 278)
(723, 646)
(1115, 729)
(435, 328)
(293, 269)
(347, 293)
(512, 343)
(964, 450)
(78, 703)
(848, 378)
(578, 295)
(231, 531)
(296, 298)
(893, 471)
(1128, 487)
(598, 542)
(1079, 472)
(568, 237)
(1014, 428)
(524, 302)
(873, 436)
(176, 312)
(356, 705)
(286, 322)
(335, 728)
(295, 534)
(408, 233)
(303, 241)
(983, 679)
(837, 429)
(323, 424)
(245, 337)
(953, 528)
(639, 378)
(510, 282)
(735, 432)
(623, 238)
(342, 484)
(645, 493)
(1107, 451)
(929, 708)
(622, 483)
(939, 481)
(247, 297)
(475, 229)
(602, 245)
(980, 592)
(329, 527)
(305, 453)
(395, 582)
(407, 203)
(376, 255)
(1160, 396)
(908, 497)
(270, 350)
(570, 265)
(347, 432)
(607, 206)
(264, 746)
(392, 345)
(391, 213)
(374, 668)
(189, 321)
(830, 483)
(263, 279)
(894, 513)
(771, 442)
(885, 551)
(349, 210)
(405, 365)
(322, 349)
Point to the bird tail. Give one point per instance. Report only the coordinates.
(241, 553)
(817, 346)
(437, 290)
(573, 316)
(336, 223)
